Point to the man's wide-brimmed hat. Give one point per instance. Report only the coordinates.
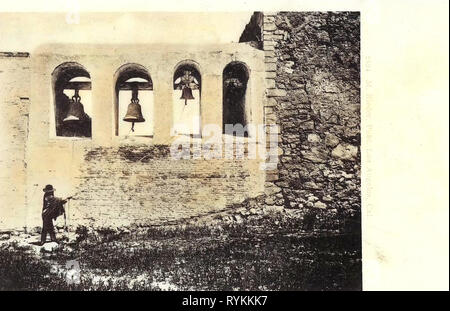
(48, 188)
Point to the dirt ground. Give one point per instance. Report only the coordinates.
(275, 251)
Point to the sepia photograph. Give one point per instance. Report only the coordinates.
(181, 151)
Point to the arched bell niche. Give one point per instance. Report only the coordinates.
(187, 85)
(72, 100)
(235, 78)
(133, 107)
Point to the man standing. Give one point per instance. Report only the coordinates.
(52, 207)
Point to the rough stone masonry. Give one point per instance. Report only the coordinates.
(312, 92)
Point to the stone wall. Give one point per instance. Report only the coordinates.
(313, 94)
(14, 103)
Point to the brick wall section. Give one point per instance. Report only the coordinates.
(270, 117)
(14, 103)
(313, 94)
(140, 184)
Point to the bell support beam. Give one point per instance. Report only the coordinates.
(142, 86)
(78, 86)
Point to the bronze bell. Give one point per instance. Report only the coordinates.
(187, 93)
(134, 112)
(76, 109)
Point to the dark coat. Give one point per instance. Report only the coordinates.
(52, 207)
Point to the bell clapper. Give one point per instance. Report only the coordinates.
(76, 96)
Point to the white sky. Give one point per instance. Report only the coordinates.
(25, 31)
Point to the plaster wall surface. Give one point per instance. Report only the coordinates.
(125, 180)
(15, 102)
